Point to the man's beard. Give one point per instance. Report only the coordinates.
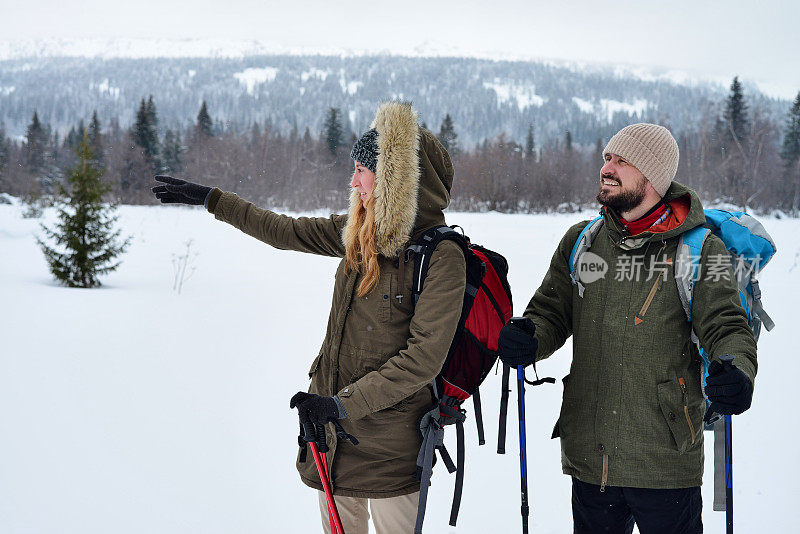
(624, 201)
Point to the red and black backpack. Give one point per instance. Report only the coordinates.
(486, 308)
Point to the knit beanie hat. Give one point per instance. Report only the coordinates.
(651, 149)
(365, 150)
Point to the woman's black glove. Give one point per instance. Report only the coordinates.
(727, 387)
(517, 344)
(177, 191)
(315, 408)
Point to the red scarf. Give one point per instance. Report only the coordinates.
(646, 221)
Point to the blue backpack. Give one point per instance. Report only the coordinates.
(750, 248)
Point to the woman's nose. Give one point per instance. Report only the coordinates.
(353, 181)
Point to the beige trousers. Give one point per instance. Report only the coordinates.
(395, 515)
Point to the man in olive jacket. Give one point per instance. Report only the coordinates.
(632, 413)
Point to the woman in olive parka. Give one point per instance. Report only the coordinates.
(380, 354)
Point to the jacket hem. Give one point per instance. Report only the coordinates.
(636, 482)
(363, 493)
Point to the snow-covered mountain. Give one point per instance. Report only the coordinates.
(247, 81)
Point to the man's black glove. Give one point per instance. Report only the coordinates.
(517, 344)
(315, 409)
(727, 387)
(177, 191)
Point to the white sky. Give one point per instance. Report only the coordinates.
(757, 40)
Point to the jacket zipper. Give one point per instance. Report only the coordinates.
(682, 382)
(650, 297)
(604, 480)
(654, 289)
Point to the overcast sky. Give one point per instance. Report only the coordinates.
(757, 40)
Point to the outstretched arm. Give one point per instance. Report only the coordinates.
(315, 235)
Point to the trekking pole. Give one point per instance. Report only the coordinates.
(313, 434)
(324, 459)
(523, 459)
(333, 513)
(728, 475)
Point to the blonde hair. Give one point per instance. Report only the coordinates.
(361, 253)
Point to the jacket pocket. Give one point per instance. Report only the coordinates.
(670, 400)
(557, 427)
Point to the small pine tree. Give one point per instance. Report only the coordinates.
(790, 154)
(530, 145)
(85, 243)
(204, 126)
(35, 145)
(790, 151)
(735, 119)
(5, 152)
(96, 138)
(568, 141)
(145, 133)
(448, 136)
(172, 152)
(333, 132)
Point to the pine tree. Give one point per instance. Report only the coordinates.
(204, 127)
(35, 145)
(790, 154)
(172, 152)
(735, 146)
(530, 145)
(5, 153)
(96, 138)
(448, 136)
(568, 141)
(85, 243)
(333, 132)
(790, 151)
(145, 133)
(735, 119)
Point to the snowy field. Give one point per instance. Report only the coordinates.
(135, 409)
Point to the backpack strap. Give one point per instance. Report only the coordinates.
(582, 244)
(432, 429)
(687, 266)
(501, 427)
(758, 308)
(476, 405)
(687, 272)
(423, 250)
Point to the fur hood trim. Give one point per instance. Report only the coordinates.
(397, 178)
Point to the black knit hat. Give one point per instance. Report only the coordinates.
(365, 150)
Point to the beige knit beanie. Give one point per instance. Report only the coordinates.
(651, 149)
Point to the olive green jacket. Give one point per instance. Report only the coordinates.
(379, 355)
(632, 406)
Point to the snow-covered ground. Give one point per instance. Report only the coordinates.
(132, 408)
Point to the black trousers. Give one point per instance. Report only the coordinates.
(654, 511)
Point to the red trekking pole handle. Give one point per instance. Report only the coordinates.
(333, 513)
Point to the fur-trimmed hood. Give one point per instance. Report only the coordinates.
(413, 178)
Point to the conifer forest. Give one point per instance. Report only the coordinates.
(520, 137)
